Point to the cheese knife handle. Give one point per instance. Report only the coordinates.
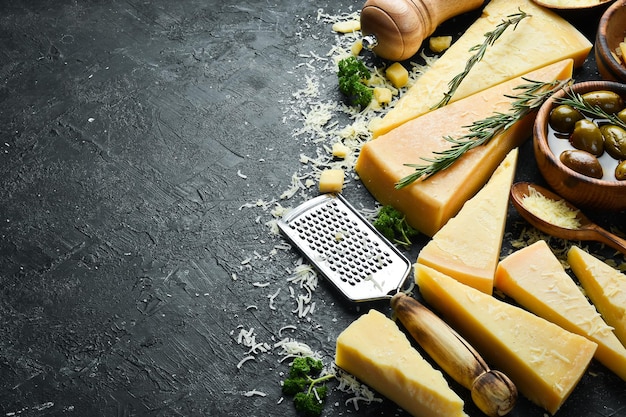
(491, 390)
(398, 27)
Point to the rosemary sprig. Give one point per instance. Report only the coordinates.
(490, 39)
(533, 95)
(576, 101)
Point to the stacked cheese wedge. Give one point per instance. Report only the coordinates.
(544, 360)
(539, 40)
(453, 249)
(605, 286)
(534, 278)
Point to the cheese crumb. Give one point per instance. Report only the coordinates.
(382, 95)
(397, 74)
(347, 26)
(331, 181)
(438, 44)
(340, 150)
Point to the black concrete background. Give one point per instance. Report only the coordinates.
(133, 134)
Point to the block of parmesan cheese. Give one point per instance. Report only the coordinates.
(539, 40)
(453, 249)
(544, 360)
(605, 286)
(536, 280)
(429, 203)
(377, 352)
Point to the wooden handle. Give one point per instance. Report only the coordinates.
(492, 391)
(608, 238)
(400, 26)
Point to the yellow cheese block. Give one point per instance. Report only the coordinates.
(453, 249)
(429, 203)
(536, 280)
(544, 361)
(605, 286)
(539, 40)
(374, 350)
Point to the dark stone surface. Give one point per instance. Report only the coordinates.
(133, 134)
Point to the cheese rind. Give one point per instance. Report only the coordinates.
(537, 41)
(535, 279)
(374, 350)
(544, 360)
(454, 251)
(605, 286)
(429, 203)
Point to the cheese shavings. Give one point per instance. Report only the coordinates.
(555, 212)
(254, 392)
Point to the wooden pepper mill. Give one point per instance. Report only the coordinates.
(395, 29)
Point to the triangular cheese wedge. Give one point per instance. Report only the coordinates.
(605, 286)
(377, 352)
(454, 251)
(544, 360)
(428, 204)
(536, 280)
(539, 40)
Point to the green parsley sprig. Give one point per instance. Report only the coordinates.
(304, 384)
(352, 75)
(393, 225)
(533, 95)
(490, 38)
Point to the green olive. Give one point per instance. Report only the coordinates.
(609, 101)
(587, 137)
(620, 171)
(614, 141)
(563, 118)
(582, 162)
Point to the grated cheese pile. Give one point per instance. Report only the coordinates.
(555, 212)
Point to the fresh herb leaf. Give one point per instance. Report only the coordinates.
(352, 74)
(303, 384)
(393, 225)
(490, 38)
(533, 95)
(577, 102)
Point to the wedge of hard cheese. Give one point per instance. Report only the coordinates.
(605, 286)
(374, 350)
(539, 40)
(453, 249)
(428, 204)
(536, 280)
(544, 361)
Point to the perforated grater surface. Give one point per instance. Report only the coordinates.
(344, 247)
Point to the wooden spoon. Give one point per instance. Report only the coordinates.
(587, 230)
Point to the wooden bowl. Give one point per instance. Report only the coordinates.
(571, 4)
(579, 189)
(611, 31)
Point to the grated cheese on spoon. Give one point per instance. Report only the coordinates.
(555, 212)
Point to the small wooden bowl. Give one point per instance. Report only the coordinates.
(579, 189)
(611, 32)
